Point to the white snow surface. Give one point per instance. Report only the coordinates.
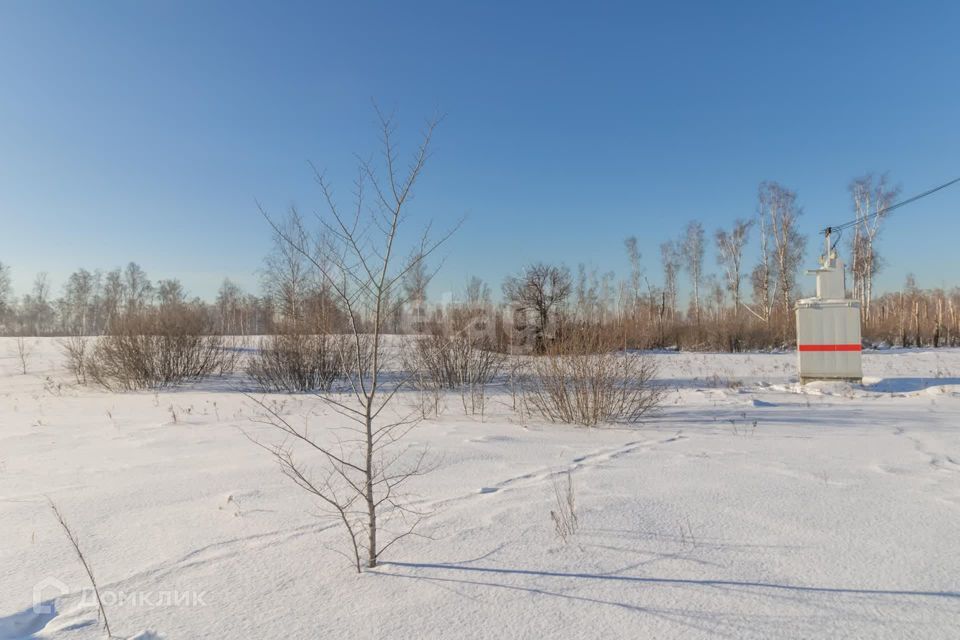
(749, 507)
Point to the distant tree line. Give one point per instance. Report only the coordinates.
(91, 300)
(740, 306)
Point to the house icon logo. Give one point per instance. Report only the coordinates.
(45, 591)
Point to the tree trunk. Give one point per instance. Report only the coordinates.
(371, 504)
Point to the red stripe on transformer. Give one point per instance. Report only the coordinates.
(829, 347)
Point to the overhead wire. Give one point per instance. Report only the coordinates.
(886, 210)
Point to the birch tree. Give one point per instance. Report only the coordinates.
(415, 284)
(6, 294)
(872, 196)
(170, 293)
(231, 308)
(692, 249)
(762, 276)
(670, 261)
(137, 288)
(730, 245)
(286, 275)
(477, 293)
(778, 206)
(78, 302)
(38, 312)
(113, 295)
(636, 272)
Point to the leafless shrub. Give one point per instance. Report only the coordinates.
(453, 357)
(295, 361)
(102, 613)
(564, 516)
(474, 399)
(717, 380)
(158, 348)
(583, 379)
(429, 400)
(76, 350)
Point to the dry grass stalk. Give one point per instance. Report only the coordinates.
(86, 566)
(564, 517)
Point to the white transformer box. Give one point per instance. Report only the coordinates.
(828, 327)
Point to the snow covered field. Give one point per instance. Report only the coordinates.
(749, 508)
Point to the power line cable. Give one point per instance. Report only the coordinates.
(886, 210)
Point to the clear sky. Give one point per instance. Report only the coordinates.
(146, 131)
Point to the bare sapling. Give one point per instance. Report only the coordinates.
(74, 542)
(361, 479)
(24, 352)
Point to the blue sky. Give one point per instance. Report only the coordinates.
(146, 131)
